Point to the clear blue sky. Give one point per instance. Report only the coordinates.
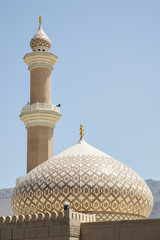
(107, 77)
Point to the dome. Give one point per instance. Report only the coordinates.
(40, 39)
(92, 181)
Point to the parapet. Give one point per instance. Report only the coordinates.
(63, 225)
(68, 214)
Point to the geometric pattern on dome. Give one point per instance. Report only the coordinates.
(92, 184)
(116, 217)
(40, 39)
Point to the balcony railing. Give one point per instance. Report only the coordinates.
(42, 106)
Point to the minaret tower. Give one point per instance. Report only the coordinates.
(40, 116)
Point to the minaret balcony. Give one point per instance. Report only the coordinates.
(40, 59)
(40, 114)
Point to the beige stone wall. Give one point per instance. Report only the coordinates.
(61, 226)
(40, 85)
(39, 146)
(75, 226)
(55, 229)
(123, 230)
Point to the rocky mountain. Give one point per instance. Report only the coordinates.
(5, 202)
(155, 188)
(6, 195)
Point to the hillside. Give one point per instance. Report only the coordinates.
(5, 202)
(155, 188)
(6, 194)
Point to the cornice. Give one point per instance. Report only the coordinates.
(40, 59)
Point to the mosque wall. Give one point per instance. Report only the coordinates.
(148, 229)
(70, 225)
(61, 226)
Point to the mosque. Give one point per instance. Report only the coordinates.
(103, 195)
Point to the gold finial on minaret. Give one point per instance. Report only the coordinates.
(81, 131)
(40, 20)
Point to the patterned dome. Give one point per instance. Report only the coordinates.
(40, 38)
(90, 180)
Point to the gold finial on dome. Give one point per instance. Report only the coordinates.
(40, 19)
(81, 131)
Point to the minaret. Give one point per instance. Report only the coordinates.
(40, 116)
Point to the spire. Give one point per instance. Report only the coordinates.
(81, 132)
(40, 20)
